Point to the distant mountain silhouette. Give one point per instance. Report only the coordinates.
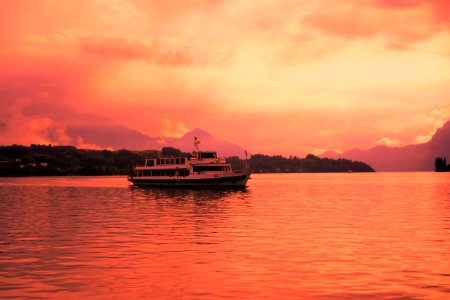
(419, 157)
(207, 142)
(113, 136)
(120, 137)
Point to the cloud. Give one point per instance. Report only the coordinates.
(389, 142)
(22, 123)
(441, 9)
(435, 119)
(396, 4)
(438, 10)
(399, 23)
(174, 9)
(174, 128)
(342, 24)
(128, 49)
(34, 113)
(18, 128)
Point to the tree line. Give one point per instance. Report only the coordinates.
(48, 160)
(310, 164)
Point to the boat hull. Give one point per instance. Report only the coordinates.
(219, 181)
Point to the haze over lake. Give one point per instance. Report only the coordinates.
(301, 236)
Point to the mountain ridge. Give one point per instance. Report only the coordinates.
(114, 136)
(418, 157)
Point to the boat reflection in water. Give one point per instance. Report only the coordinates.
(189, 194)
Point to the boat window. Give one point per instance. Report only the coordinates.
(208, 155)
(172, 161)
(182, 161)
(183, 172)
(208, 168)
(150, 163)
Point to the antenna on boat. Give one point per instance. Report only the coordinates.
(196, 142)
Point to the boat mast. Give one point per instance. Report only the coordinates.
(196, 142)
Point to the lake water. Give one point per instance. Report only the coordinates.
(286, 236)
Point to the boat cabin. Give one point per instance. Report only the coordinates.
(202, 162)
(209, 154)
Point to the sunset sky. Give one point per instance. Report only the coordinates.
(277, 77)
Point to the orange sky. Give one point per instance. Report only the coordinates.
(277, 77)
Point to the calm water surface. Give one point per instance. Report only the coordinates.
(299, 236)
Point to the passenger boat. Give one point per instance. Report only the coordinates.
(202, 168)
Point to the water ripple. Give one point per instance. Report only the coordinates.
(289, 236)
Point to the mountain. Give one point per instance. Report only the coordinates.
(207, 142)
(114, 136)
(419, 157)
